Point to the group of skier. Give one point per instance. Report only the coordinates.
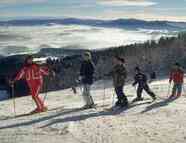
(119, 75)
(34, 74)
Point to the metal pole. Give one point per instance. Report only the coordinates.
(113, 99)
(184, 90)
(104, 96)
(14, 106)
(168, 92)
(45, 92)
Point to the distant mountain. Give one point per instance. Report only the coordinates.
(119, 23)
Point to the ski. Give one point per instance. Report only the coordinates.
(27, 114)
(145, 99)
(116, 108)
(130, 105)
(30, 114)
(87, 108)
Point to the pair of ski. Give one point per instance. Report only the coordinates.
(95, 107)
(131, 104)
(53, 109)
(32, 113)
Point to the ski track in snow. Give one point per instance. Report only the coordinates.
(162, 121)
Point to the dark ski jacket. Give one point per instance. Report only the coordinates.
(140, 79)
(119, 74)
(87, 72)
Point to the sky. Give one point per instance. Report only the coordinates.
(172, 10)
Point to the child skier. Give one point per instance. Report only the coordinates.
(86, 77)
(141, 79)
(33, 74)
(177, 76)
(119, 75)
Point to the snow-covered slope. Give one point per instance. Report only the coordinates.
(160, 122)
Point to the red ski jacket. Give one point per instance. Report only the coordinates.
(32, 73)
(177, 76)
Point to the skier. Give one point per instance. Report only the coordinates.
(141, 79)
(119, 75)
(86, 77)
(177, 76)
(33, 74)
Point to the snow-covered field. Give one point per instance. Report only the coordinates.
(160, 122)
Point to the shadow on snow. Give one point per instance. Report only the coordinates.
(158, 105)
(70, 118)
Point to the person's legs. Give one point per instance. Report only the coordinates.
(174, 89)
(179, 89)
(89, 95)
(118, 102)
(35, 89)
(86, 95)
(139, 92)
(39, 99)
(122, 99)
(149, 92)
(37, 102)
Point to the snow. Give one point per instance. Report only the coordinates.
(160, 122)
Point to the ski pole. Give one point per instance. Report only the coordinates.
(80, 86)
(113, 99)
(45, 92)
(135, 87)
(104, 96)
(183, 89)
(168, 92)
(46, 85)
(46, 88)
(13, 99)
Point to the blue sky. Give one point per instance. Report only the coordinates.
(97, 9)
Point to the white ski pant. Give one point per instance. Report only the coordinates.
(86, 95)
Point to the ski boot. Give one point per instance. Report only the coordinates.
(118, 103)
(35, 111)
(172, 96)
(178, 95)
(124, 105)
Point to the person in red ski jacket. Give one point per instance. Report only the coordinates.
(177, 76)
(33, 74)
